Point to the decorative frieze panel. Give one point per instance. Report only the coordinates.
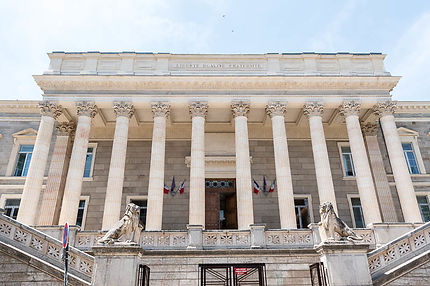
(164, 240)
(288, 238)
(226, 239)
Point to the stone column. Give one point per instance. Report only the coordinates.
(198, 112)
(378, 170)
(405, 188)
(284, 183)
(326, 192)
(363, 175)
(33, 183)
(53, 194)
(156, 171)
(112, 208)
(72, 190)
(245, 208)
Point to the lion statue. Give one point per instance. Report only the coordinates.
(333, 224)
(127, 226)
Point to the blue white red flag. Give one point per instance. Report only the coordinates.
(272, 186)
(181, 187)
(256, 187)
(166, 189)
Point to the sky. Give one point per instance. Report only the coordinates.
(30, 29)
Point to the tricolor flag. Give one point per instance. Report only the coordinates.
(256, 187)
(166, 189)
(272, 186)
(181, 187)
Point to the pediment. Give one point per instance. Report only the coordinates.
(25, 132)
(403, 131)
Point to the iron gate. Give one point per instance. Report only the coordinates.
(143, 275)
(318, 277)
(233, 274)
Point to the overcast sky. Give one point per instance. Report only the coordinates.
(30, 29)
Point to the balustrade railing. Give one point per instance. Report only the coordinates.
(400, 250)
(44, 247)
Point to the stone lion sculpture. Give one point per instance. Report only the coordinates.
(333, 224)
(126, 226)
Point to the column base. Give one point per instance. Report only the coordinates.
(258, 239)
(195, 236)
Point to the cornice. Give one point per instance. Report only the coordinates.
(57, 83)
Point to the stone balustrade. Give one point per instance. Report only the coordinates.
(44, 247)
(399, 251)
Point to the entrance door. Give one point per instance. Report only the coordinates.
(220, 204)
(233, 274)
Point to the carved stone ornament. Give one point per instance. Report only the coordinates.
(86, 108)
(313, 109)
(128, 226)
(123, 109)
(50, 109)
(198, 109)
(332, 224)
(369, 129)
(240, 108)
(160, 109)
(385, 108)
(350, 108)
(276, 109)
(66, 128)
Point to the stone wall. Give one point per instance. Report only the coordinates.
(419, 276)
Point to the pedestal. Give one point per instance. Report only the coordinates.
(258, 239)
(116, 265)
(345, 263)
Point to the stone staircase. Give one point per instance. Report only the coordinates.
(43, 252)
(394, 260)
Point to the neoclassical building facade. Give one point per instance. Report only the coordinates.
(221, 143)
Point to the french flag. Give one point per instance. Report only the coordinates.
(181, 187)
(166, 189)
(272, 186)
(256, 187)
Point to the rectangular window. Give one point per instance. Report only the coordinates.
(142, 206)
(424, 206)
(89, 162)
(348, 164)
(411, 160)
(23, 160)
(11, 207)
(81, 210)
(302, 212)
(357, 213)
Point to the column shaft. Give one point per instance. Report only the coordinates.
(366, 189)
(197, 168)
(405, 188)
(33, 183)
(283, 174)
(321, 160)
(53, 194)
(72, 190)
(112, 208)
(156, 174)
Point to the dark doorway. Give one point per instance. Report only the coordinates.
(221, 204)
(233, 274)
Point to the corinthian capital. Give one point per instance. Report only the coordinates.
(313, 109)
(385, 108)
(50, 109)
(160, 109)
(86, 108)
(369, 129)
(350, 108)
(198, 109)
(123, 109)
(276, 109)
(240, 108)
(65, 128)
